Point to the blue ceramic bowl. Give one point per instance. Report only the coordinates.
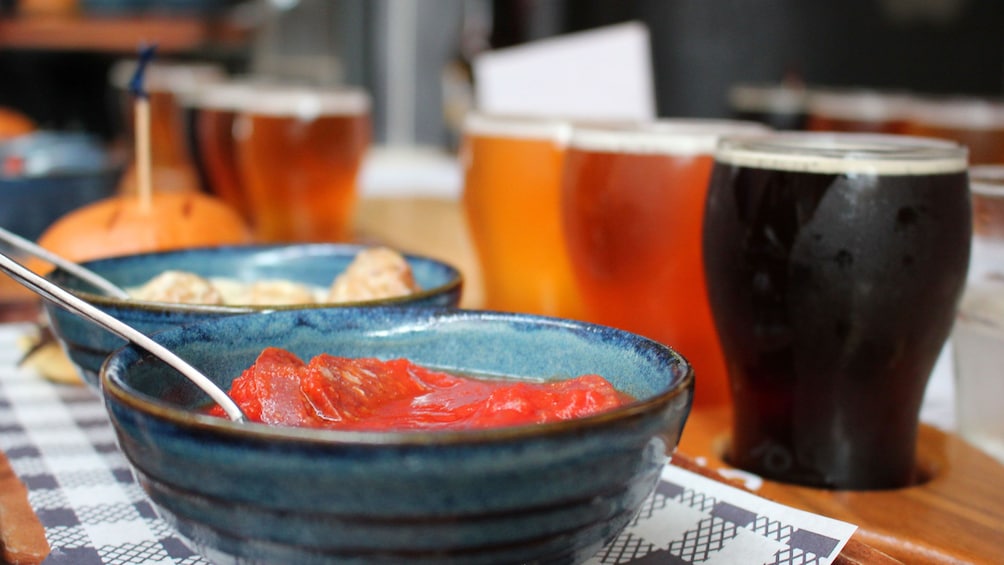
(314, 263)
(252, 493)
(57, 173)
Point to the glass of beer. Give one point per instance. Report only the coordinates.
(835, 263)
(299, 151)
(632, 208)
(215, 109)
(977, 123)
(511, 200)
(169, 84)
(857, 110)
(778, 105)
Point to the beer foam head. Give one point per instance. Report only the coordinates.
(858, 104)
(167, 76)
(556, 130)
(844, 153)
(304, 102)
(987, 180)
(234, 94)
(779, 98)
(957, 112)
(663, 137)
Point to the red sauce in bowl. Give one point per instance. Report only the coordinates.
(370, 394)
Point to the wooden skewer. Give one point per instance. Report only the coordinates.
(143, 166)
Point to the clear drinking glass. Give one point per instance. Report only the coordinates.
(978, 336)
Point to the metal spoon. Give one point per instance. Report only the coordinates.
(71, 303)
(74, 269)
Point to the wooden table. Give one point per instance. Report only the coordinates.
(956, 515)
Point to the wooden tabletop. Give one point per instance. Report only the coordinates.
(955, 515)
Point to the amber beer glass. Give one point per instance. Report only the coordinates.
(835, 263)
(632, 207)
(168, 84)
(857, 110)
(299, 152)
(977, 123)
(512, 177)
(216, 108)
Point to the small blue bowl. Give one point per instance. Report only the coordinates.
(56, 174)
(545, 493)
(315, 264)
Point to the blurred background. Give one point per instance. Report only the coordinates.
(414, 55)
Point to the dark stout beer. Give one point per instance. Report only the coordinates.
(834, 265)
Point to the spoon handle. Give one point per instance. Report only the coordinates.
(65, 299)
(76, 270)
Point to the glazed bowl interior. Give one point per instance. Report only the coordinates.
(313, 264)
(503, 495)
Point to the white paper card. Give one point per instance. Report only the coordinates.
(603, 73)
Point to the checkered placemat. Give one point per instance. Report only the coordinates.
(692, 519)
(61, 445)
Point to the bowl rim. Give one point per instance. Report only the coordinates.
(454, 283)
(290, 435)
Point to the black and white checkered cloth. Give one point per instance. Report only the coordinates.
(61, 445)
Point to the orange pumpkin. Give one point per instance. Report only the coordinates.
(121, 225)
(14, 123)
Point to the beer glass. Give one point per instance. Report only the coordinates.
(216, 106)
(512, 177)
(299, 151)
(978, 335)
(632, 208)
(856, 110)
(835, 263)
(168, 85)
(977, 123)
(780, 106)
